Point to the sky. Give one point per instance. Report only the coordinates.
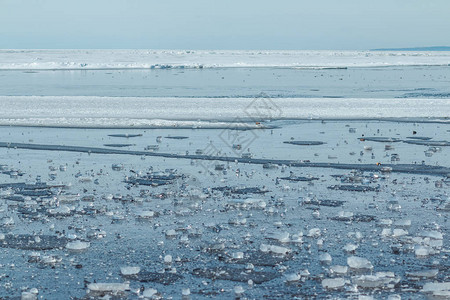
(223, 24)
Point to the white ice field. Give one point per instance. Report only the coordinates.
(149, 112)
(143, 59)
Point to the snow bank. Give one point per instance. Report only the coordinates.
(139, 112)
(167, 59)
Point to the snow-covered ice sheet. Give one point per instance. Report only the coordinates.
(139, 59)
(87, 111)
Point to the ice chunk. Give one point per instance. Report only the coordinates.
(7, 221)
(316, 214)
(77, 245)
(185, 292)
(399, 232)
(403, 223)
(274, 249)
(325, 258)
(50, 259)
(319, 242)
(434, 243)
(238, 290)
(127, 271)
(385, 222)
(145, 214)
(304, 273)
(63, 210)
(357, 235)
(108, 287)
(424, 273)
(292, 277)
(28, 296)
(247, 203)
(197, 195)
(282, 237)
(365, 297)
(344, 216)
(297, 238)
(432, 235)
(149, 293)
(379, 280)
(356, 262)
(350, 247)
(333, 283)
(314, 232)
(440, 290)
(168, 259)
(386, 232)
(422, 251)
(340, 270)
(171, 233)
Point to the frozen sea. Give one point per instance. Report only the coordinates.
(224, 174)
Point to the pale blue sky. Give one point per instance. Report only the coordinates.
(224, 24)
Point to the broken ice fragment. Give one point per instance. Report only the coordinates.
(399, 232)
(282, 237)
(432, 234)
(126, 271)
(422, 251)
(385, 222)
(424, 273)
(439, 290)
(170, 233)
(314, 232)
(274, 249)
(28, 296)
(77, 245)
(333, 283)
(356, 262)
(149, 293)
(145, 214)
(379, 280)
(340, 270)
(350, 248)
(108, 287)
(403, 223)
(185, 291)
(168, 259)
(325, 258)
(292, 277)
(237, 255)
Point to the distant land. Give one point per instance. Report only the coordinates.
(434, 48)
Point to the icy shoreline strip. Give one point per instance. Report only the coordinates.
(180, 59)
(125, 123)
(398, 168)
(170, 112)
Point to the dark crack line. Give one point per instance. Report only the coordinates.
(396, 168)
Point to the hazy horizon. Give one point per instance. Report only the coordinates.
(419, 48)
(231, 25)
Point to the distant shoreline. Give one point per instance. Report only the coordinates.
(434, 48)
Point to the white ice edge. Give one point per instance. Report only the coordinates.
(146, 59)
(129, 112)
